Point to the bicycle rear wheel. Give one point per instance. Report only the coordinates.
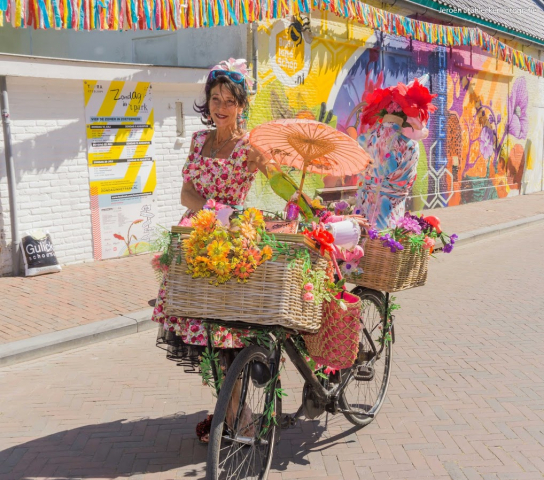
(243, 430)
(368, 380)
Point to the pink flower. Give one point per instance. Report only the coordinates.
(309, 287)
(428, 242)
(329, 370)
(308, 296)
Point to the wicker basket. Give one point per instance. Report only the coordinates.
(337, 342)
(271, 296)
(391, 272)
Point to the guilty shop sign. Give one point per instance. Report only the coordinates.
(290, 53)
(122, 169)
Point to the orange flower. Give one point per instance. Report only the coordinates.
(204, 220)
(253, 256)
(266, 253)
(243, 270)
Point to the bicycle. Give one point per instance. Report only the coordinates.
(245, 426)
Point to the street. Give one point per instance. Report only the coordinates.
(465, 400)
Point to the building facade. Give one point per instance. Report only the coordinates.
(486, 138)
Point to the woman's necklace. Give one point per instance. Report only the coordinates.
(215, 151)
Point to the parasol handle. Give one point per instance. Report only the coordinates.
(302, 179)
(338, 272)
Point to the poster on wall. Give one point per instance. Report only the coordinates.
(122, 170)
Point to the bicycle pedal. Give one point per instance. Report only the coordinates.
(364, 374)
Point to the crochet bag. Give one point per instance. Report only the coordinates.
(336, 344)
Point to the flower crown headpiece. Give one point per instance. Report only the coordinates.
(236, 65)
(405, 101)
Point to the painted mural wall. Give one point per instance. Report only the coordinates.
(486, 138)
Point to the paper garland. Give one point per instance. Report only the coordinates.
(175, 14)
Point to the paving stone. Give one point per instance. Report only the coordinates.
(464, 400)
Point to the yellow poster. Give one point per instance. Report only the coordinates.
(122, 171)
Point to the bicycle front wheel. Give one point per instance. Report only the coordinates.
(244, 429)
(365, 392)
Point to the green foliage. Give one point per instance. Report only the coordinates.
(387, 313)
(162, 241)
(208, 359)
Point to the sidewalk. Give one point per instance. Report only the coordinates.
(99, 300)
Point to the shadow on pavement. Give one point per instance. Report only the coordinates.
(110, 450)
(311, 436)
(144, 446)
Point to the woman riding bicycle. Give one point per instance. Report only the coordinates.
(221, 167)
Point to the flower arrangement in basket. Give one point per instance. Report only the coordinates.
(220, 253)
(396, 258)
(233, 270)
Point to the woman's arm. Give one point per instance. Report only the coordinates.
(257, 161)
(190, 198)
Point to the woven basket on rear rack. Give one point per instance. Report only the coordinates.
(271, 296)
(391, 272)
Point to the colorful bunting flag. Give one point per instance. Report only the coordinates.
(175, 14)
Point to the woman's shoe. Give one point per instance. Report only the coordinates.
(203, 430)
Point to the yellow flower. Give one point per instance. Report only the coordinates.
(221, 267)
(219, 249)
(266, 253)
(204, 220)
(200, 267)
(220, 234)
(316, 203)
(254, 217)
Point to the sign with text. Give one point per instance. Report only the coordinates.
(122, 170)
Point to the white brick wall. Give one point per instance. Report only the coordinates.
(50, 155)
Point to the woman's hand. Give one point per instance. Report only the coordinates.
(360, 219)
(256, 161)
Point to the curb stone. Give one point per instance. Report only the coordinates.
(70, 338)
(135, 322)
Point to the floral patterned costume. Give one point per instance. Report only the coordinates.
(385, 186)
(226, 181)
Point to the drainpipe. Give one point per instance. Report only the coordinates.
(10, 170)
(255, 54)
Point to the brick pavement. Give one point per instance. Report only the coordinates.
(91, 292)
(465, 401)
(78, 295)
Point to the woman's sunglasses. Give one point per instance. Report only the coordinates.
(236, 77)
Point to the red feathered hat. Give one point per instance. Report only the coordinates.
(412, 100)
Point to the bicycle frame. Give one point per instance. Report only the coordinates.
(328, 396)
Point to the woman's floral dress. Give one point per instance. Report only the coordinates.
(226, 181)
(385, 186)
